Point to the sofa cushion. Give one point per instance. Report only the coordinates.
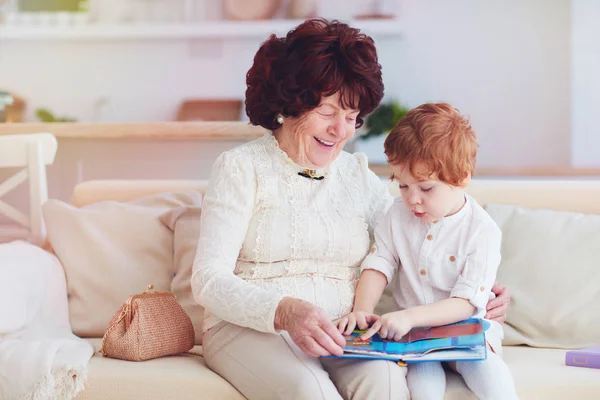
(550, 263)
(177, 377)
(109, 251)
(538, 374)
(185, 224)
(542, 374)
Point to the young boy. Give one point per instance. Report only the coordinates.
(443, 247)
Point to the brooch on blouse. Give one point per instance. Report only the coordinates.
(311, 174)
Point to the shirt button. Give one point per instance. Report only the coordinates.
(452, 258)
(429, 237)
(481, 289)
(372, 250)
(423, 272)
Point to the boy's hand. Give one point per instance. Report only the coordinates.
(361, 319)
(391, 326)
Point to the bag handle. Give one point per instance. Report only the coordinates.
(129, 306)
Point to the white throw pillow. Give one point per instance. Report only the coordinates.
(185, 224)
(550, 262)
(31, 280)
(109, 251)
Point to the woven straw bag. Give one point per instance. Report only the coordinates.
(148, 325)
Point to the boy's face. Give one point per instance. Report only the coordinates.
(428, 198)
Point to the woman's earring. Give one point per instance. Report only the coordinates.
(279, 118)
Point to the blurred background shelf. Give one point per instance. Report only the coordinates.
(208, 30)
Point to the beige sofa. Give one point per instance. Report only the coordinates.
(538, 314)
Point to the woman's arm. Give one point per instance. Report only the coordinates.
(227, 210)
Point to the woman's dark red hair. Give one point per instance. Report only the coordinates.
(318, 58)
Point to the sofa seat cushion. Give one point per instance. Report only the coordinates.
(542, 374)
(178, 377)
(538, 374)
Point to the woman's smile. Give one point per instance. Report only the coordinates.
(324, 143)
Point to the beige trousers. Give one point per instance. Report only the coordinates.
(267, 366)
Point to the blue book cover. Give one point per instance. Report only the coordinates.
(461, 341)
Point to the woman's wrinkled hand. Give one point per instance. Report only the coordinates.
(497, 307)
(360, 319)
(309, 327)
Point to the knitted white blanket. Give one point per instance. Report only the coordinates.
(40, 357)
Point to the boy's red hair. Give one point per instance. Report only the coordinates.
(438, 137)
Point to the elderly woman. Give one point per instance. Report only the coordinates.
(287, 220)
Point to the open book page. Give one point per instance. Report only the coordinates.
(463, 328)
(476, 353)
(468, 343)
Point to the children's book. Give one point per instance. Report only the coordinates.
(589, 358)
(461, 341)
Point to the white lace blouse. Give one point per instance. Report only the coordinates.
(267, 232)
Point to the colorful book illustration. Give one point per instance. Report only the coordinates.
(588, 358)
(461, 341)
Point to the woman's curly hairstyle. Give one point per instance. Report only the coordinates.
(318, 58)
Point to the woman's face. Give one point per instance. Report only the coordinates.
(316, 138)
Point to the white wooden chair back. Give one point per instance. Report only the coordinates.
(32, 152)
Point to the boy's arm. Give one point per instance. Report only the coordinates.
(395, 325)
(443, 312)
(369, 290)
(379, 267)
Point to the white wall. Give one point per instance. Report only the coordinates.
(134, 80)
(585, 90)
(506, 64)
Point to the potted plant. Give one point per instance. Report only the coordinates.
(378, 124)
(45, 115)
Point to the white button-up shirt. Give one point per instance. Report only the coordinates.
(458, 256)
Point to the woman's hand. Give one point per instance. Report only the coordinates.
(361, 319)
(497, 307)
(391, 326)
(309, 327)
